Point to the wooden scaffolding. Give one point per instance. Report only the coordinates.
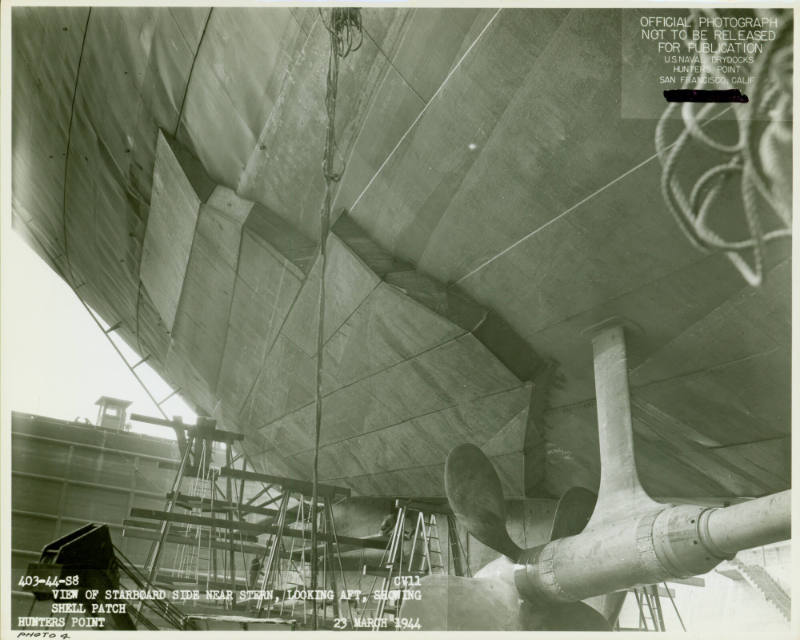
(243, 537)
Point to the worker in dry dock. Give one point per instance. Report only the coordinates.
(387, 524)
(389, 521)
(255, 570)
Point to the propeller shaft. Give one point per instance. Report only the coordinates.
(673, 542)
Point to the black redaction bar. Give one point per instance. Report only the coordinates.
(705, 95)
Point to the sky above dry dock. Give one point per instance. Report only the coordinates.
(62, 362)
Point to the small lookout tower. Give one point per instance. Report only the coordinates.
(112, 413)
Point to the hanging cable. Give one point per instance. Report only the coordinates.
(346, 36)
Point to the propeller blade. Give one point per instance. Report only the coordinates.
(573, 512)
(574, 616)
(608, 605)
(476, 497)
(454, 603)
(501, 568)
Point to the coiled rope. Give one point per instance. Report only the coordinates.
(771, 101)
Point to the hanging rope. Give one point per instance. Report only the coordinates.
(346, 36)
(753, 159)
